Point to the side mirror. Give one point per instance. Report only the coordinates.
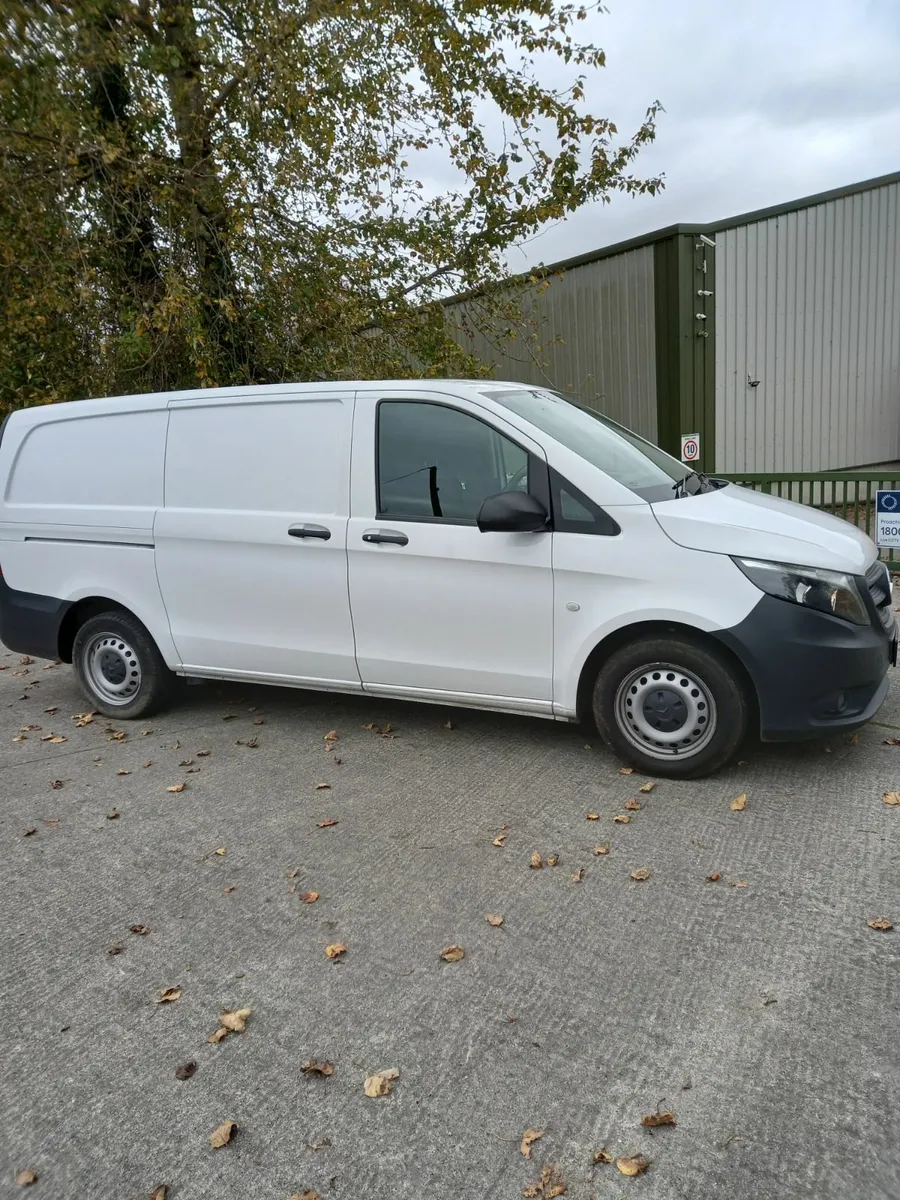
(512, 512)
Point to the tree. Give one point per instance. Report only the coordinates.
(243, 191)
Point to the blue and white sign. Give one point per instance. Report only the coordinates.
(887, 518)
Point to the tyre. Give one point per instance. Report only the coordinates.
(670, 706)
(119, 668)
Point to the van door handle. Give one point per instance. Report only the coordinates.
(386, 535)
(309, 531)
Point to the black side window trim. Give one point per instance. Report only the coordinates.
(538, 482)
(602, 526)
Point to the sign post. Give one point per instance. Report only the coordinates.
(887, 518)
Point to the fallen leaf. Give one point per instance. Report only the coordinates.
(25, 1178)
(632, 1166)
(380, 1083)
(592, 817)
(325, 824)
(112, 815)
(891, 798)
(312, 1066)
(500, 839)
(221, 851)
(633, 804)
(626, 770)
(648, 786)
(160, 1193)
(603, 848)
(54, 739)
(167, 995)
(308, 1195)
(176, 787)
(321, 787)
(219, 1034)
(536, 861)
(30, 832)
(737, 883)
(140, 930)
(714, 877)
(229, 716)
(115, 735)
(887, 741)
(122, 771)
(204, 753)
(739, 803)
(578, 876)
(147, 732)
(118, 950)
(250, 743)
(529, 1137)
(552, 860)
(640, 874)
(223, 1135)
(54, 708)
(235, 1022)
(148, 764)
(20, 737)
(452, 954)
(550, 1184)
(880, 923)
(51, 822)
(30, 729)
(26, 660)
(653, 1120)
(493, 919)
(186, 1070)
(228, 889)
(57, 784)
(331, 736)
(259, 720)
(622, 819)
(309, 897)
(448, 724)
(602, 1156)
(335, 950)
(186, 762)
(82, 719)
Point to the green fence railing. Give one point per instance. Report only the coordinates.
(847, 494)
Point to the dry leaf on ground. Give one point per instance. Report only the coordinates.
(321, 787)
(220, 1034)
(312, 1066)
(186, 1070)
(26, 1178)
(223, 1135)
(626, 770)
(57, 784)
(112, 815)
(309, 897)
(648, 786)
(335, 950)
(882, 923)
(578, 876)
(529, 1137)
(250, 743)
(331, 736)
(632, 1166)
(235, 1022)
(714, 877)
(140, 930)
(493, 919)
(452, 954)
(448, 724)
(622, 819)
(887, 741)
(891, 798)
(327, 823)
(176, 787)
(204, 753)
(737, 883)
(221, 851)
(167, 995)
(602, 1156)
(633, 804)
(305, 1195)
(603, 848)
(122, 771)
(500, 839)
(739, 803)
(640, 874)
(550, 1185)
(592, 816)
(653, 1120)
(380, 1083)
(117, 950)
(552, 860)
(30, 832)
(160, 1193)
(536, 861)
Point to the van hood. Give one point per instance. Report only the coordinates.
(736, 520)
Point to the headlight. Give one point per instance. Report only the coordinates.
(828, 591)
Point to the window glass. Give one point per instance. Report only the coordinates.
(435, 461)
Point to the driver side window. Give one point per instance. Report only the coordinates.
(436, 462)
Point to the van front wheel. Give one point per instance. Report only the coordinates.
(119, 667)
(671, 707)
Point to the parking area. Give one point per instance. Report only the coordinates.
(738, 985)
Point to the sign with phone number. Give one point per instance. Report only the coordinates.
(887, 518)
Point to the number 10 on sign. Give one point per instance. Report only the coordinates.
(690, 447)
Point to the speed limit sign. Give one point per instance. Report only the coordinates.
(690, 447)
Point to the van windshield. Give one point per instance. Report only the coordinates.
(630, 460)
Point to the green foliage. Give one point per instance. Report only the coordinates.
(223, 193)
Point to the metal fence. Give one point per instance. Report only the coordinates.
(847, 494)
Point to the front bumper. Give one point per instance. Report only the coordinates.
(813, 673)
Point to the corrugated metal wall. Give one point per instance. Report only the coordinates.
(808, 303)
(603, 315)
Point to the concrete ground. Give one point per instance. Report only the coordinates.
(760, 1008)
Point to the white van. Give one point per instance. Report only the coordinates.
(474, 543)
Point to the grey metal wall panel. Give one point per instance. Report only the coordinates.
(596, 338)
(808, 303)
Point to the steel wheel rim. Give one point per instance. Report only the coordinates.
(665, 711)
(112, 668)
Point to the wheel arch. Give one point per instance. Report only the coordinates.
(78, 613)
(646, 629)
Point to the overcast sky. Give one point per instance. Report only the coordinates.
(765, 102)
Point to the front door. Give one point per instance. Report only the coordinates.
(441, 610)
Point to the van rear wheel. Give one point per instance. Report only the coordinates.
(119, 667)
(670, 706)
